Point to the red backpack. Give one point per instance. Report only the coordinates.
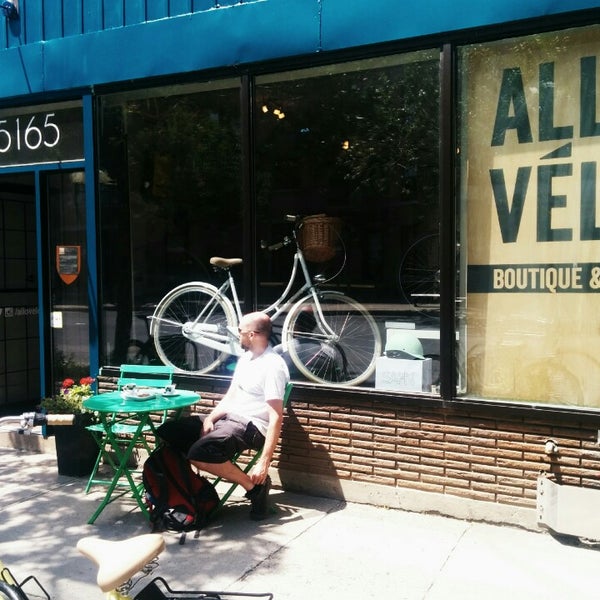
(178, 499)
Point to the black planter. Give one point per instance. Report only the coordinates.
(76, 450)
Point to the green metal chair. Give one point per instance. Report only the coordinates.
(157, 376)
(251, 462)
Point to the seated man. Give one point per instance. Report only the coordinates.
(249, 416)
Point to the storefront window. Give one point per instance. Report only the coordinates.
(170, 198)
(355, 143)
(359, 143)
(530, 237)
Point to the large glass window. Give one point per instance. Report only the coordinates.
(355, 144)
(530, 233)
(170, 198)
(358, 142)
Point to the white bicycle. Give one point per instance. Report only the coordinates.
(330, 338)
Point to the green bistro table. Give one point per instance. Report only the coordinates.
(113, 408)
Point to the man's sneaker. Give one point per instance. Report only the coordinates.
(259, 496)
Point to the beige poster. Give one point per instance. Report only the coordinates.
(531, 231)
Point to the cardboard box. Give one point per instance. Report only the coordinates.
(403, 375)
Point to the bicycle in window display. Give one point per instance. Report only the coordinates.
(329, 337)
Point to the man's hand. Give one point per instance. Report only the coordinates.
(259, 471)
(207, 425)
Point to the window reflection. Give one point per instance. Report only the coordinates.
(173, 156)
(358, 142)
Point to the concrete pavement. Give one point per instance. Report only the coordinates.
(311, 547)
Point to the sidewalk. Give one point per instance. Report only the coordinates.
(313, 548)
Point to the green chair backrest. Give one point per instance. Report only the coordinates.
(286, 393)
(145, 375)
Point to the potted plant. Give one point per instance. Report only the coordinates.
(76, 449)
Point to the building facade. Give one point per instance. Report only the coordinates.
(452, 150)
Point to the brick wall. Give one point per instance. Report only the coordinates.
(424, 453)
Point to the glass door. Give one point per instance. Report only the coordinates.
(19, 325)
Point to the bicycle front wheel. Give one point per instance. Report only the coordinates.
(340, 350)
(177, 310)
(9, 592)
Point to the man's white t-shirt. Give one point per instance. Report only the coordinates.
(256, 380)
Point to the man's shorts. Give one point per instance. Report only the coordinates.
(230, 435)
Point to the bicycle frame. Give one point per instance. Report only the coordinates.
(227, 341)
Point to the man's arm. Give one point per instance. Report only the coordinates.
(259, 472)
(218, 412)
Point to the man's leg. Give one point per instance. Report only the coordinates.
(181, 433)
(228, 471)
(213, 452)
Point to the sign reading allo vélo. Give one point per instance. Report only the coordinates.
(542, 176)
(41, 134)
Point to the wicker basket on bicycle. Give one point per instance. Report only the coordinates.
(318, 237)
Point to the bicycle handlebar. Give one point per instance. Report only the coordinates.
(271, 248)
(60, 419)
(31, 419)
(287, 240)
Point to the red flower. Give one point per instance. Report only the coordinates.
(86, 381)
(67, 383)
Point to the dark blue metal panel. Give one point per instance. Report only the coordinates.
(198, 5)
(251, 31)
(157, 9)
(92, 15)
(22, 70)
(215, 38)
(363, 22)
(4, 35)
(33, 22)
(73, 19)
(344, 23)
(113, 14)
(135, 11)
(14, 31)
(180, 7)
(52, 19)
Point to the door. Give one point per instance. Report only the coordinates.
(32, 365)
(19, 310)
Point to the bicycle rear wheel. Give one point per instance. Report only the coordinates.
(348, 356)
(182, 306)
(419, 275)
